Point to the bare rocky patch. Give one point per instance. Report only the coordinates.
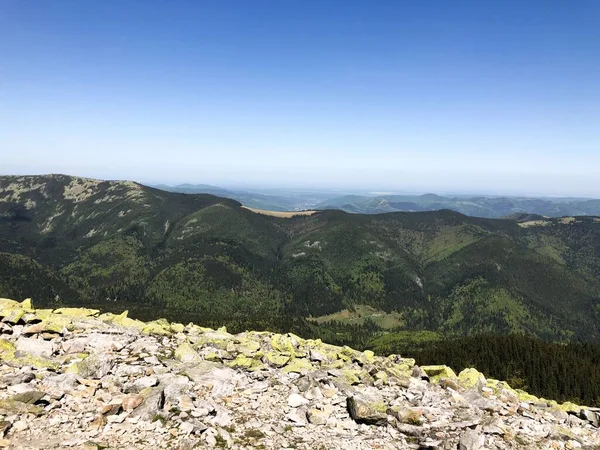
(75, 378)
(81, 189)
(535, 223)
(281, 214)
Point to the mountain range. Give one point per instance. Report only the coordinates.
(479, 206)
(197, 257)
(364, 203)
(266, 199)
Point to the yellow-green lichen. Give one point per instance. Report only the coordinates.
(435, 373)
(158, 327)
(288, 344)
(12, 315)
(276, 359)
(177, 327)
(244, 362)
(471, 378)
(298, 365)
(77, 312)
(185, 353)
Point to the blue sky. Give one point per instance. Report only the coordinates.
(442, 96)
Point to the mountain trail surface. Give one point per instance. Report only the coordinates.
(75, 378)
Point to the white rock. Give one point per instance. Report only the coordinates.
(19, 425)
(33, 346)
(471, 440)
(296, 400)
(186, 427)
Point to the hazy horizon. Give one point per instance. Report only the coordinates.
(333, 190)
(488, 98)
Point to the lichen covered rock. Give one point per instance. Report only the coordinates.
(435, 373)
(471, 379)
(367, 407)
(186, 353)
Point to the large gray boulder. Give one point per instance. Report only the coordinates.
(32, 346)
(367, 407)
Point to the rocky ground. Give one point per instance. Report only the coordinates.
(72, 378)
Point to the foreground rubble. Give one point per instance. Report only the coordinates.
(72, 378)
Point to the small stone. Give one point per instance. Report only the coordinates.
(316, 356)
(319, 416)
(591, 416)
(471, 440)
(297, 416)
(4, 427)
(29, 397)
(117, 418)
(296, 400)
(19, 425)
(314, 393)
(304, 384)
(99, 421)
(109, 410)
(186, 427)
(435, 373)
(131, 402)
(186, 403)
(19, 378)
(94, 366)
(144, 382)
(153, 402)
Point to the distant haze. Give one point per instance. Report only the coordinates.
(449, 97)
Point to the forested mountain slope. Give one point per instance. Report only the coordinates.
(67, 240)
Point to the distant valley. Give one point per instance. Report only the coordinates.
(266, 199)
(477, 206)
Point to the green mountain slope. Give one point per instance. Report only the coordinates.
(206, 259)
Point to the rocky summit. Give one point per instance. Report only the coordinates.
(75, 378)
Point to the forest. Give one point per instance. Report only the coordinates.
(558, 371)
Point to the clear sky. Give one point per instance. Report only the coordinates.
(444, 96)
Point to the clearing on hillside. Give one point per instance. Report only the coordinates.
(284, 214)
(360, 313)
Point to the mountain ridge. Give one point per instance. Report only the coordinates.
(206, 258)
(480, 206)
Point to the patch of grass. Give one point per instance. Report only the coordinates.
(254, 434)
(159, 417)
(361, 313)
(221, 441)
